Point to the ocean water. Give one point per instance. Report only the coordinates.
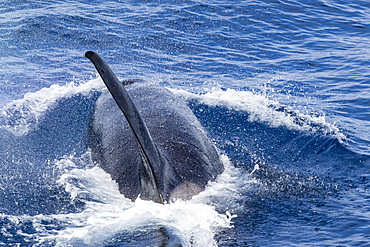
(282, 87)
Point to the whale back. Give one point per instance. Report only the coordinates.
(192, 159)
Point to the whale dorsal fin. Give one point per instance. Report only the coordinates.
(151, 157)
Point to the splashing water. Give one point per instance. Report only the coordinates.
(262, 109)
(108, 213)
(24, 115)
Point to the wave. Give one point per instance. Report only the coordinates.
(24, 115)
(264, 110)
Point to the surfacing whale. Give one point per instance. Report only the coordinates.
(157, 149)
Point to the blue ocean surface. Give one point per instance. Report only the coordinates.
(282, 88)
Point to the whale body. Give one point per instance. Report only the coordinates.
(149, 141)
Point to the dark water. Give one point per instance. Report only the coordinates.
(284, 85)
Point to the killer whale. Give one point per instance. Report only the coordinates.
(149, 141)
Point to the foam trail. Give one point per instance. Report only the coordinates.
(265, 110)
(108, 213)
(24, 114)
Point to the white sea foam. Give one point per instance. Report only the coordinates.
(107, 213)
(27, 112)
(262, 109)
